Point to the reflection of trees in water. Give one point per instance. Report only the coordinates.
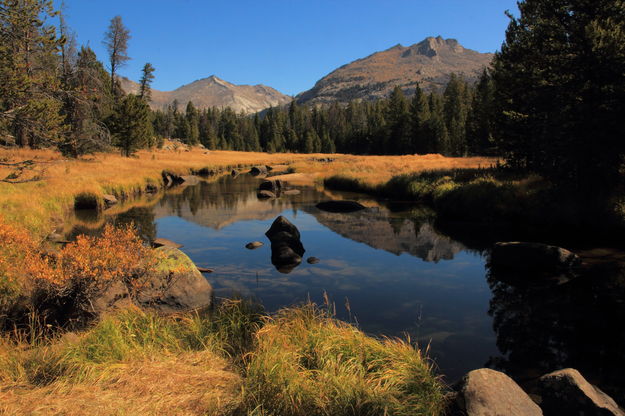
(141, 217)
(580, 324)
(225, 193)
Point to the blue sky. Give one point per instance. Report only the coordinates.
(286, 44)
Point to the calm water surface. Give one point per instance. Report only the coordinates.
(398, 274)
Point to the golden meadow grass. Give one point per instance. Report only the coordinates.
(42, 205)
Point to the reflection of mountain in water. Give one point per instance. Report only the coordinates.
(229, 200)
(377, 229)
(221, 203)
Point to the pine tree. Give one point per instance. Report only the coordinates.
(131, 124)
(398, 120)
(116, 42)
(30, 105)
(560, 91)
(480, 129)
(421, 140)
(145, 90)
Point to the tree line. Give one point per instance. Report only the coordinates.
(456, 122)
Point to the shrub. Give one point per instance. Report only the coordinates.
(84, 268)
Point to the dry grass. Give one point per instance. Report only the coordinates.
(193, 383)
(42, 206)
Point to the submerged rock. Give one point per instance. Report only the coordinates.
(254, 245)
(487, 392)
(566, 392)
(312, 260)
(291, 192)
(340, 206)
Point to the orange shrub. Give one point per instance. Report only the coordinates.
(77, 272)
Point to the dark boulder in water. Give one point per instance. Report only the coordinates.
(286, 248)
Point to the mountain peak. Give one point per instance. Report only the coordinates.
(429, 63)
(213, 91)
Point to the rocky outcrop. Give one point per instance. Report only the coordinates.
(533, 256)
(177, 284)
(566, 392)
(487, 392)
(340, 206)
(286, 248)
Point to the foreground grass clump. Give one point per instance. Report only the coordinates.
(232, 360)
(307, 363)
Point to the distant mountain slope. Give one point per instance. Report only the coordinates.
(215, 92)
(430, 62)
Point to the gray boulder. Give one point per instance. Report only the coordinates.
(340, 206)
(566, 392)
(177, 285)
(114, 297)
(533, 256)
(486, 392)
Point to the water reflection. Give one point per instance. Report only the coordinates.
(578, 324)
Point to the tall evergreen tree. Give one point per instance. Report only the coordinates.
(398, 120)
(29, 83)
(116, 42)
(421, 141)
(560, 90)
(145, 84)
(131, 124)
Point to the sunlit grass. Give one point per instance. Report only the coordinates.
(42, 206)
(301, 361)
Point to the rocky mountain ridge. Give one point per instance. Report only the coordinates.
(429, 63)
(215, 92)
